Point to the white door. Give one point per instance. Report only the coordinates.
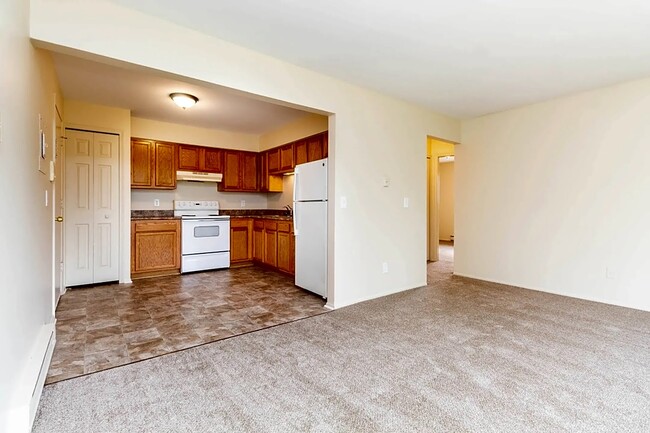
(91, 207)
(310, 228)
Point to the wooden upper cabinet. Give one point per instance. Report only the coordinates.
(212, 160)
(248, 171)
(263, 172)
(231, 170)
(239, 171)
(300, 151)
(314, 147)
(153, 164)
(188, 157)
(196, 158)
(286, 157)
(142, 163)
(165, 166)
(273, 156)
(326, 136)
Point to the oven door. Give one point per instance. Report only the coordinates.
(205, 236)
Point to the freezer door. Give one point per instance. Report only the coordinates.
(310, 181)
(311, 246)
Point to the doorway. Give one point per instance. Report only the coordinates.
(440, 203)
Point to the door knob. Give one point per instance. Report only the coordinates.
(59, 219)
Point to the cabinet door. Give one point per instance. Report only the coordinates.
(314, 148)
(241, 240)
(284, 251)
(270, 244)
(249, 171)
(155, 246)
(212, 160)
(258, 241)
(325, 144)
(274, 160)
(300, 151)
(263, 172)
(142, 163)
(231, 171)
(286, 157)
(165, 166)
(189, 157)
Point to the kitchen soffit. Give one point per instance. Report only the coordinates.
(146, 94)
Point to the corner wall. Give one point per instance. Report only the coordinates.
(554, 196)
(28, 86)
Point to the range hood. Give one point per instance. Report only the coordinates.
(197, 176)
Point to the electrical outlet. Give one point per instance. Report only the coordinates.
(406, 202)
(243, 203)
(156, 202)
(384, 268)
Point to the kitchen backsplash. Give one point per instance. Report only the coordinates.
(143, 199)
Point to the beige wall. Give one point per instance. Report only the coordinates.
(100, 118)
(554, 196)
(304, 127)
(28, 86)
(446, 171)
(372, 136)
(165, 131)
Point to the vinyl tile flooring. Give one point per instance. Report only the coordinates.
(111, 325)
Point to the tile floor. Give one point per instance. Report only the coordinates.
(111, 325)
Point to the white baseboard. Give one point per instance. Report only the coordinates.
(20, 413)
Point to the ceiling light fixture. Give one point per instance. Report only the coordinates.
(184, 100)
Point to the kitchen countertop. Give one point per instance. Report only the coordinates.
(270, 214)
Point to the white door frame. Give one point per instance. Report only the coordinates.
(58, 280)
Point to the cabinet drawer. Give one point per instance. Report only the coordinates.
(156, 226)
(284, 226)
(270, 225)
(239, 222)
(258, 224)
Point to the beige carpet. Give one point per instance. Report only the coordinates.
(456, 356)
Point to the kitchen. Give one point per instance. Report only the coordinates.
(256, 271)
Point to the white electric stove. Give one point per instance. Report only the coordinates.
(205, 235)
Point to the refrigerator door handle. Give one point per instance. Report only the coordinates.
(295, 184)
(295, 220)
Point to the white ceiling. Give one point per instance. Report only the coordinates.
(463, 58)
(146, 93)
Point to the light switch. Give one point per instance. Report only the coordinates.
(344, 202)
(406, 202)
(243, 203)
(386, 182)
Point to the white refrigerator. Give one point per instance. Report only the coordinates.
(310, 225)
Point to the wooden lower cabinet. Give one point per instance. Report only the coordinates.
(258, 241)
(155, 248)
(271, 243)
(274, 245)
(241, 241)
(284, 247)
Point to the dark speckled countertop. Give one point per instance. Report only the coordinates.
(274, 214)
